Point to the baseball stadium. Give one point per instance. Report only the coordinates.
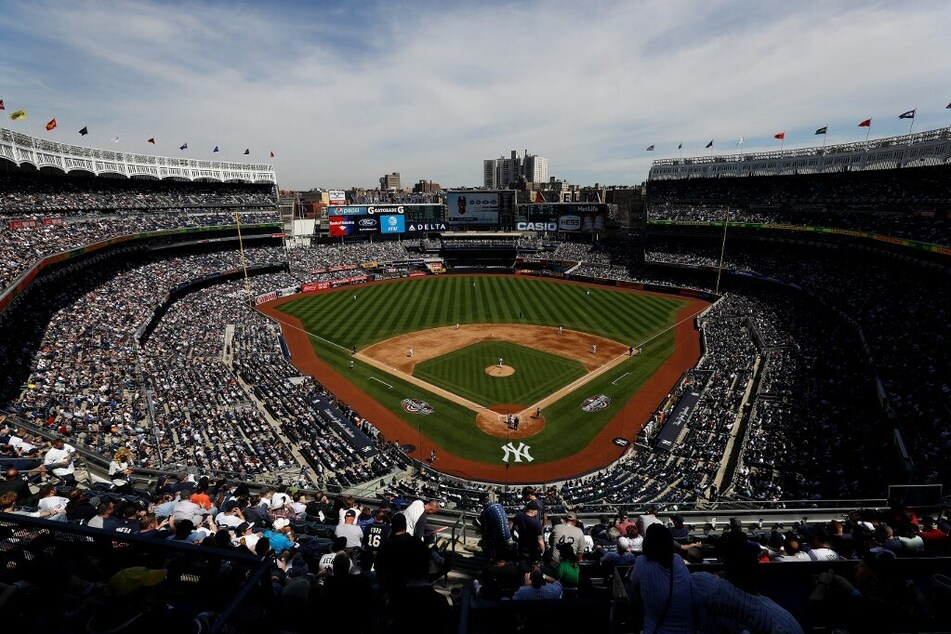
(713, 356)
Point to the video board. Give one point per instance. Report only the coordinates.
(472, 208)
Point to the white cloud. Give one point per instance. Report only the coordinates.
(432, 90)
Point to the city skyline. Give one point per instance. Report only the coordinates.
(343, 92)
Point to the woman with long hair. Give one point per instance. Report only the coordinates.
(661, 578)
(120, 469)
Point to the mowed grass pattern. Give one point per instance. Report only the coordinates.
(382, 311)
(361, 316)
(537, 374)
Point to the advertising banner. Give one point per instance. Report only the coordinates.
(392, 224)
(351, 210)
(260, 299)
(310, 287)
(26, 223)
(336, 197)
(56, 222)
(417, 227)
(341, 226)
(472, 207)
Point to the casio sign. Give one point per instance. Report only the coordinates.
(536, 226)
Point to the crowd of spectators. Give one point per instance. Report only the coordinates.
(33, 194)
(21, 249)
(380, 197)
(886, 327)
(910, 203)
(305, 261)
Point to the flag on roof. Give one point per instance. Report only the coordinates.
(909, 114)
(681, 145)
(866, 124)
(539, 198)
(738, 143)
(18, 114)
(780, 135)
(946, 107)
(3, 107)
(184, 146)
(650, 148)
(710, 144)
(822, 130)
(216, 149)
(152, 140)
(247, 151)
(84, 131)
(272, 154)
(51, 125)
(116, 139)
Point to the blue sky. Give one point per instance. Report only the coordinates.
(344, 92)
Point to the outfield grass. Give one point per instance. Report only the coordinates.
(537, 374)
(386, 310)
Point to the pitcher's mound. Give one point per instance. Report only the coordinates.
(500, 370)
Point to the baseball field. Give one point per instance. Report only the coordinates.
(446, 363)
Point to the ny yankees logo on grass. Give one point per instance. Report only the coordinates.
(516, 452)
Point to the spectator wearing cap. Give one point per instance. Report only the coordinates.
(600, 532)
(566, 533)
(129, 605)
(530, 493)
(732, 603)
(936, 540)
(280, 535)
(79, 509)
(620, 556)
(531, 541)
(350, 530)
(679, 531)
(623, 522)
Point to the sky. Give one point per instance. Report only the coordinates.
(346, 91)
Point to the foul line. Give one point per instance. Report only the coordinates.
(373, 378)
(614, 382)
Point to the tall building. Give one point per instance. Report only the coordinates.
(390, 182)
(535, 168)
(507, 173)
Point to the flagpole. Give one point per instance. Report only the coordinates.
(912, 125)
